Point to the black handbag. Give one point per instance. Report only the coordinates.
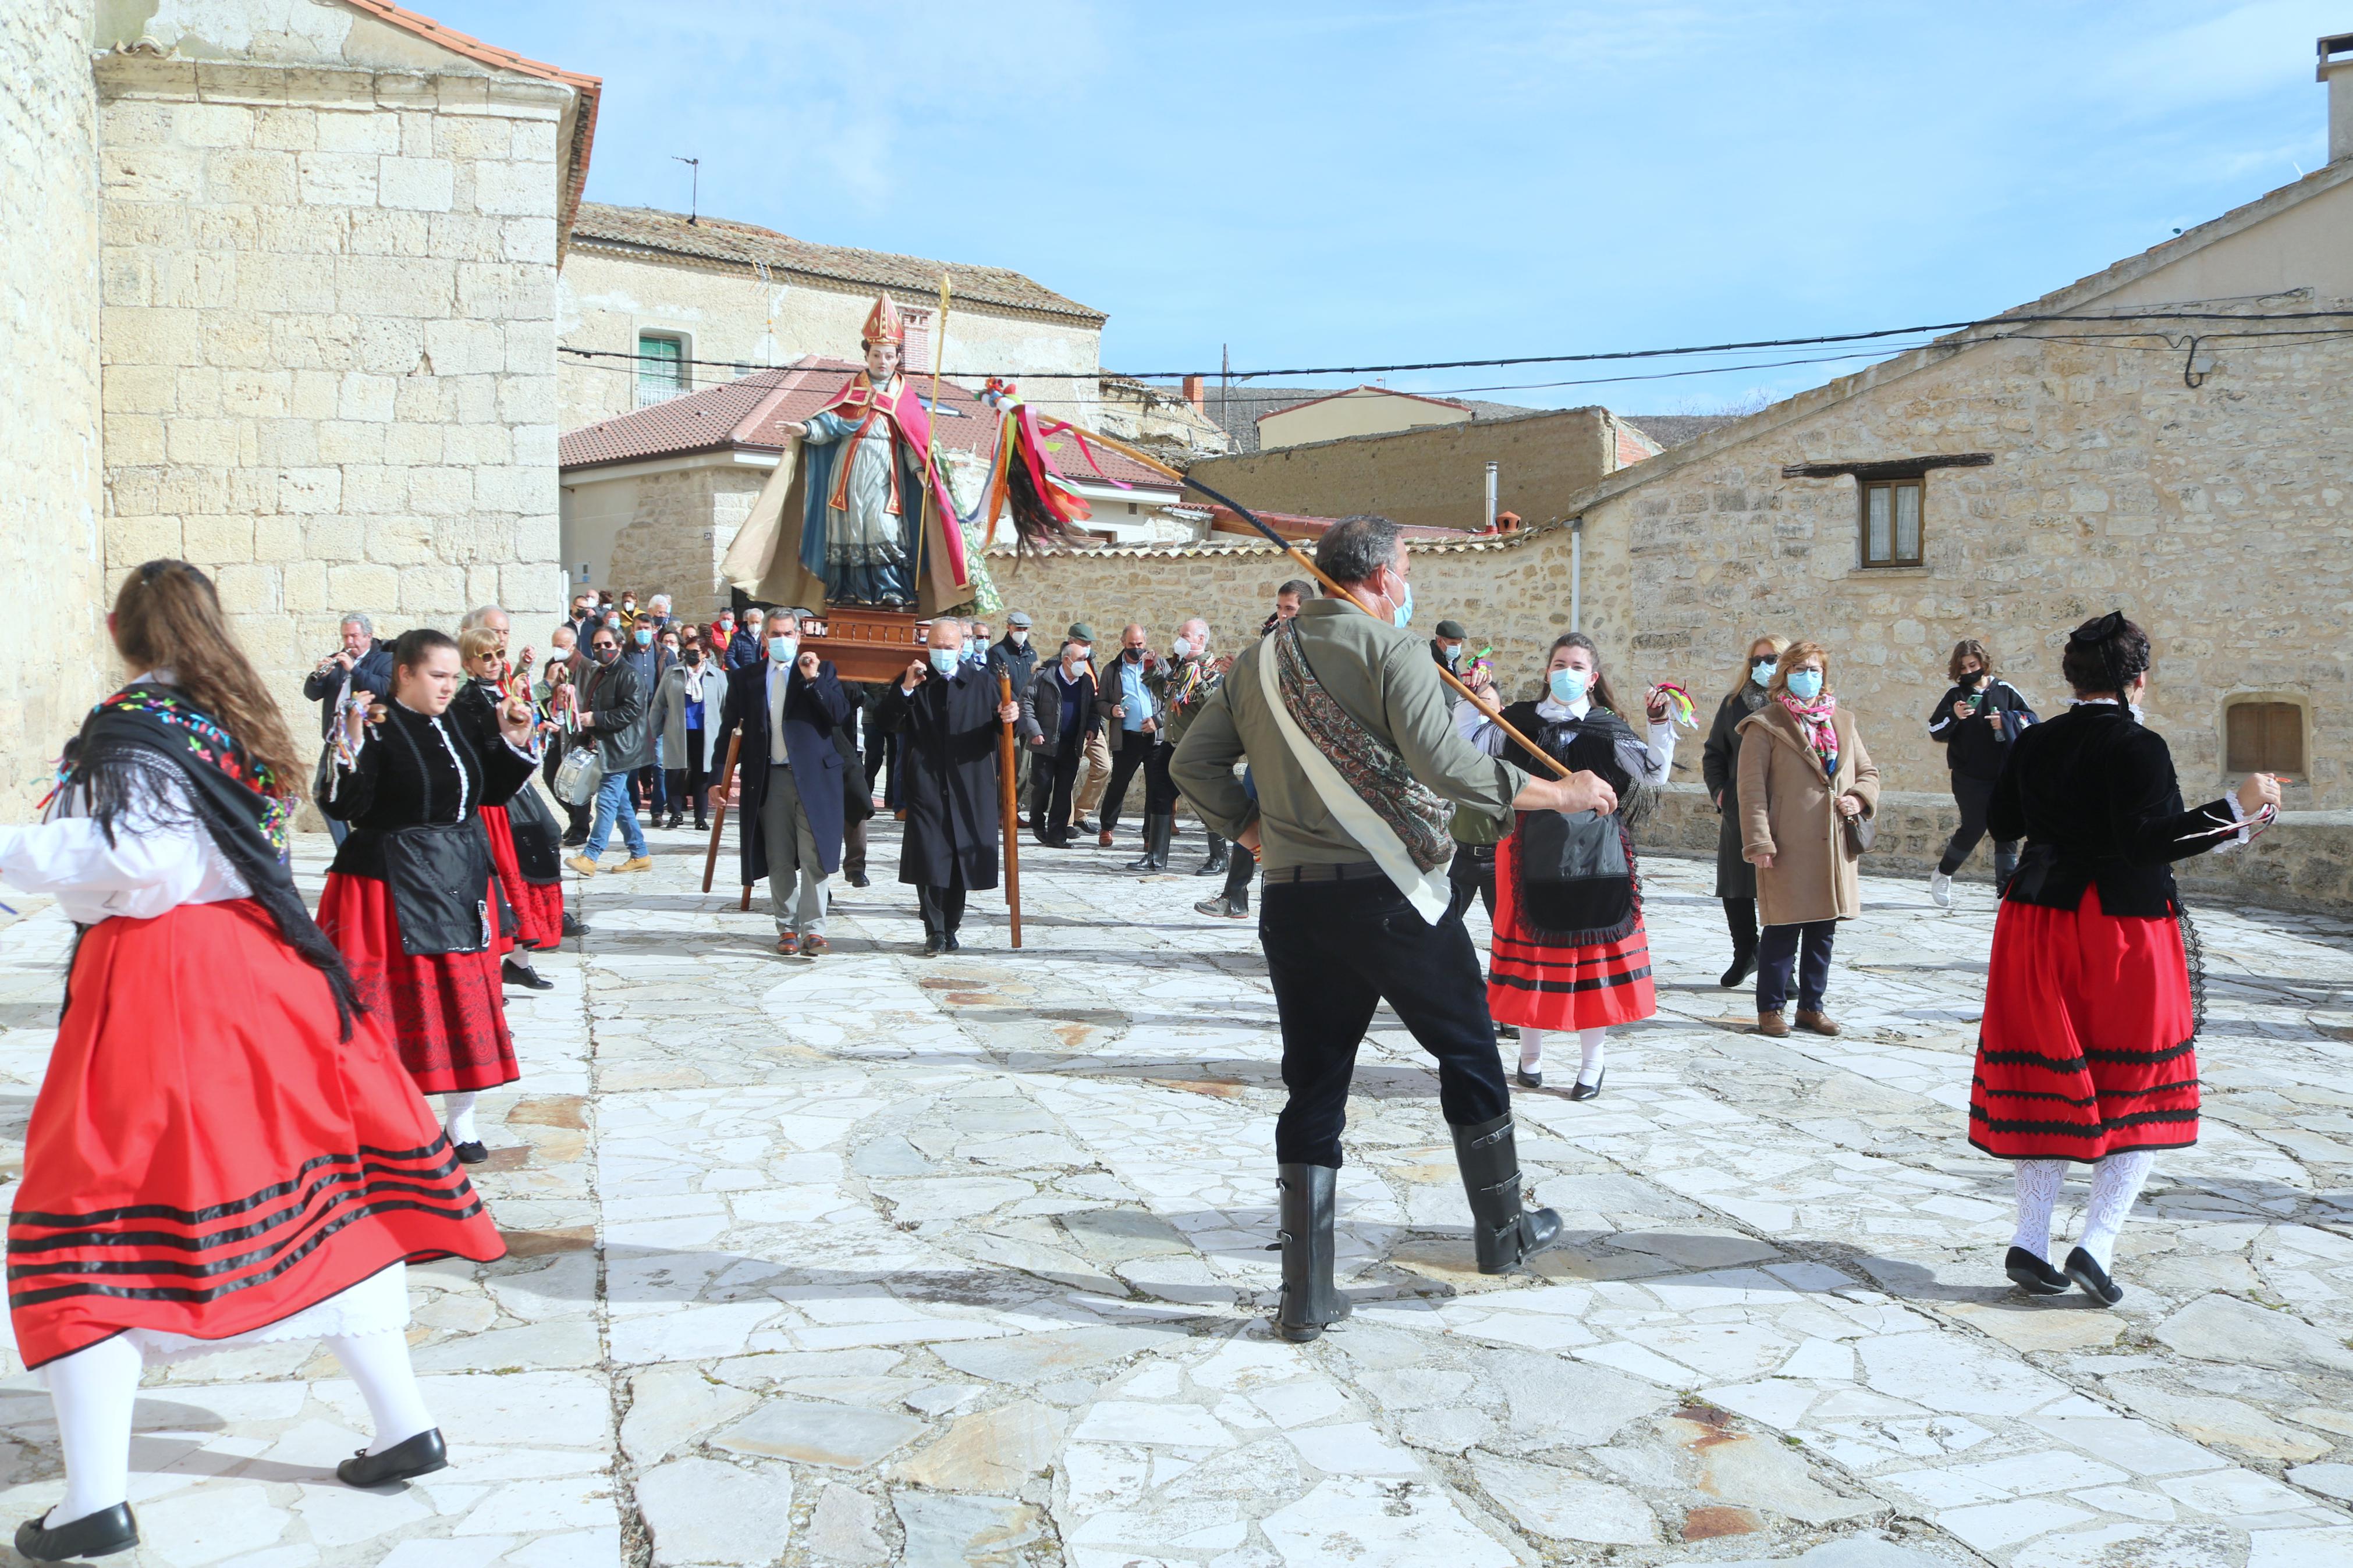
(1576, 876)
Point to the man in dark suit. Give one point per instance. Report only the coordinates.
(788, 709)
(949, 714)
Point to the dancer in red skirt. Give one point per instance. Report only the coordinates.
(2088, 1048)
(525, 842)
(409, 901)
(1570, 955)
(225, 1150)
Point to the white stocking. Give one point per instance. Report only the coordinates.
(378, 1363)
(1531, 1045)
(2038, 1195)
(1591, 1043)
(2115, 1183)
(93, 1390)
(459, 1111)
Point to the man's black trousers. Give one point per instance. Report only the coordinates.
(1131, 751)
(1334, 951)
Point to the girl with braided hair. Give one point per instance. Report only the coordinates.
(2087, 1052)
(225, 1150)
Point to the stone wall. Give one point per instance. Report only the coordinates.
(329, 341)
(49, 388)
(673, 528)
(1431, 478)
(730, 314)
(2304, 861)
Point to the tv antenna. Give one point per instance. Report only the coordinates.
(695, 190)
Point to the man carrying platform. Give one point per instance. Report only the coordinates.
(1356, 769)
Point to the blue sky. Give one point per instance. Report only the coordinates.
(1375, 182)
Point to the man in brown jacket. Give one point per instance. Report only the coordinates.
(1341, 935)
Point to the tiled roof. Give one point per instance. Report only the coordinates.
(912, 278)
(590, 89)
(750, 414)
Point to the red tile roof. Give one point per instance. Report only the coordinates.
(750, 414)
(911, 277)
(590, 89)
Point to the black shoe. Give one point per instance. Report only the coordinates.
(1583, 1091)
(1744, 964)
(934, 945)
(2093, 1278)
(574, 925)
(2032, 1275)
(859, 879)
(954, 945)
(1505, 1231)
(1311, 1303)
(701, 825)
(1528, 1079)
(100, 1534)
(418, 1455)
(472, 1153)
(574, 840)
(1215, 866)
(514, 973)
(1507, 1031)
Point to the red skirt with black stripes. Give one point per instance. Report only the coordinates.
(1535, 982)
(2088, 1045)
(207, 1154)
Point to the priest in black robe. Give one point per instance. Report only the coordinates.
(949, 717)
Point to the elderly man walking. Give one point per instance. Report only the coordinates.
(787, 708)
(948, 717)
(365, 666)
(1356, 768)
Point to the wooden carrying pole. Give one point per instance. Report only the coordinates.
(1010, 810)
(719, 815)
(1307, 561)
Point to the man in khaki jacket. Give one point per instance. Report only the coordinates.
(1340, 935)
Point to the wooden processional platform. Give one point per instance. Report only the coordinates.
(867, 644)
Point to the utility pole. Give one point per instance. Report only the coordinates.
(694, 191)
(1224, 386)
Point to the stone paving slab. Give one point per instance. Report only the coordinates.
(876, 1260)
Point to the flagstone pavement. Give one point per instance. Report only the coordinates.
(874, 1259)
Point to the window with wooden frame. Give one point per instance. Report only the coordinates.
(1891, 521)
(661, 367)
(2262, 735)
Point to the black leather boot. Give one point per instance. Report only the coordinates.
(1220, 858)
(1158, 830)
(1311, 1303)
(1506, 1231)
(100, 1534)
(1740, 915)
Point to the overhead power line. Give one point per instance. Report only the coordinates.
(1506, 360)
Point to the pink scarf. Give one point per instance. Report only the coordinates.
(1814, 723)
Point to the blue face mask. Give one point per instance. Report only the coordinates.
(945, 659)
(1567, 686)
(1805, 685)
(645, 636)
(782, 649)
(1762, 673)
(1403, 614)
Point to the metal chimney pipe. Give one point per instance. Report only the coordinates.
(1489, 524)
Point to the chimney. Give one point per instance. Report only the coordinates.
(1193, 393)
(2336, 70)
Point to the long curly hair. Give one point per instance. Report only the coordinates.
(168, 617)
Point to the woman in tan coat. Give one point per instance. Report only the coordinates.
(1803, 772)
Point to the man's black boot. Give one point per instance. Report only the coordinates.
(1220, 858)
(1505, 1232)
(1311, 1302)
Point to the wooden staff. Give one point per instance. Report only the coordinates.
(1308, 562)
(1010, 811)
(719, 815)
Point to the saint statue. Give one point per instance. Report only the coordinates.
(868, 468)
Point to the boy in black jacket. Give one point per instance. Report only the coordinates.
(1975, 721)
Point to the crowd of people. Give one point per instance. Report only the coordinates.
(210, 1167)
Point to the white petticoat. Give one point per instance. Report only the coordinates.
(375, 1305)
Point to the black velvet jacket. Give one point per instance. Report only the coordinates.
(2094, 795)
(407, 777)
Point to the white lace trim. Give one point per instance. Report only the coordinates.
(375, 1305)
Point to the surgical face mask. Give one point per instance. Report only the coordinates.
(629, 603)
(1183, 649)
(973, 654)
(945, 659)
(613, 621)
(1761, 670)
(1805, 685)
(782, 649)
(645, 636)
(1403, 614)
(1453, 652)
(1567, 685)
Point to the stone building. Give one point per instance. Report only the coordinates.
(1436, 476)
(1369, 410)
(658, 304)
(289, 271)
